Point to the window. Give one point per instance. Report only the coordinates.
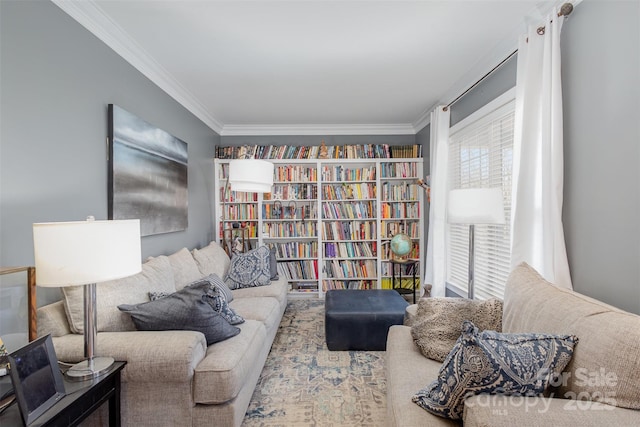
(481, 156)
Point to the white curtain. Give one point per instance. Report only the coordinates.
(537, 231)
(436, 246)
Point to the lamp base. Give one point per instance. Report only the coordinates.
(90, 368)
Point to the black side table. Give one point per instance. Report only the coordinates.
(401, 265)
(81, 400)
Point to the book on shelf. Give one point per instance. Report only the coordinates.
(350, 151)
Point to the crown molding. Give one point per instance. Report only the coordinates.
(423, 120)
(329, 129)
(88, 14)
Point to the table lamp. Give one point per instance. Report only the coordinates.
(86, 253)
(475, 206)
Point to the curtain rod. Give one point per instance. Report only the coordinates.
(565, 10)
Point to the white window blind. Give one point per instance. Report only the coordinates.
(481, 156)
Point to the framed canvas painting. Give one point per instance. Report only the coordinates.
(147, 174)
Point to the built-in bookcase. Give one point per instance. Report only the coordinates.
(330, 221)
(401, 205)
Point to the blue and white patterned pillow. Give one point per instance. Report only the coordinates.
(217, 299)
(495, 363)
(218, 283)
(249, 269)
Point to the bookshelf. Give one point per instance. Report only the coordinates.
(330, 220)
(401, 204)
(290, 225)
(349, 199)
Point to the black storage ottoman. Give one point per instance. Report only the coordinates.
(360, 319)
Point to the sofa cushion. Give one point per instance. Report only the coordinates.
(156, 276)
(212, 259)
(182, 310)
(606, 364)
(185, 269)
(277, 289)
(407, 370)
(223, 372)
(52, 320)
(249, 269)
(496, 363)
(436, 327)
(507, 411)
(263, 309)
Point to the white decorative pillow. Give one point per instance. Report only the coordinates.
(212, 259)
(249, 269)
(185, 268)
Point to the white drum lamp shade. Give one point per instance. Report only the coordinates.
(82, 252)
(475, 206)
(86, 253)
(251, 175)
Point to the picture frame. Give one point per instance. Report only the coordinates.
(37, 380)
(148, 174)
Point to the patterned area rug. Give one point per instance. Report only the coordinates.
(305, 384)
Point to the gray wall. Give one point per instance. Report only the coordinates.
(56, 82)
(601, 89)
(497, 83)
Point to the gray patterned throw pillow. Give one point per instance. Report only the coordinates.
(495, 363)
(249, 269)
(157, 295)
(217, 294)
(182, 310)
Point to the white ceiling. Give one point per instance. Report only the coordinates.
(310, 67)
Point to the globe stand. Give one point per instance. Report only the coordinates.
(399, 258)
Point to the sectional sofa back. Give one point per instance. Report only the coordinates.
(605, 366)
(159, 274)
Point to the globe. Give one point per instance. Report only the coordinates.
(401, 245)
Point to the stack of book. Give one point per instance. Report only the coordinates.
(351, 151)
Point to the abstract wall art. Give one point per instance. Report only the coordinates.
(147, 174)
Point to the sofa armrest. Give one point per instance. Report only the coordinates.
(495, 411)
(151, 356)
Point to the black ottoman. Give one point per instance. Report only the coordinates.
(360, 319)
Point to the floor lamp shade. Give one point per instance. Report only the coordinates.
(251, 175)
(474, 206)
(86, 253)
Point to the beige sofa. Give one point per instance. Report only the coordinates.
(605, 366)
(172, 378)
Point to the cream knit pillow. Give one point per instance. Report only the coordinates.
(438, 323)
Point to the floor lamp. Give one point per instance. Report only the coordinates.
(475, 206)
(86, 253)
(246, 175)
(251, 175)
